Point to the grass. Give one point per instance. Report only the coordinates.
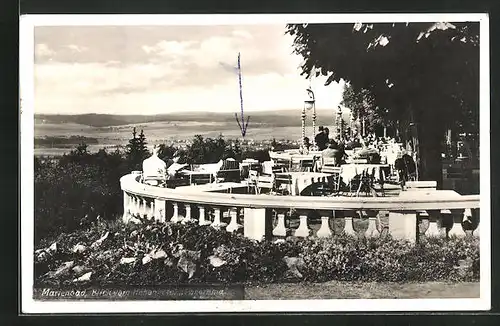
(365, 290)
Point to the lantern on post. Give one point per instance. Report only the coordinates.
(309, 104)
(338, 123)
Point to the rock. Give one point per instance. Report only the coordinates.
(79, 248)
(128, 260)
(216, 261)
(106, 255)
(294, 263)
(187, 261)
(42, 256)
(135, 220)
(83, 278)
(158, 254)
(39, 251)
(64, 268)
(146, 259)
(169, 262)
(53, 248)
(98, 243)
(79, 270)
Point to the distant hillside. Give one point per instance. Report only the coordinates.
(278, 118)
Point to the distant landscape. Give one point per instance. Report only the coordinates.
(106, 130)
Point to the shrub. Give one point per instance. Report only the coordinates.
(191, 253)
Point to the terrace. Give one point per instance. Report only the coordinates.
(270, 210)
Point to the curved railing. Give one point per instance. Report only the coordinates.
(265, 216)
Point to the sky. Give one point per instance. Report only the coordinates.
(163, 69)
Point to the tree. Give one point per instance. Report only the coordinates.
(364, 110)
(136, 150)
(426, 74)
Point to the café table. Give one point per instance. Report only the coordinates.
(349, 171)
(302, 180)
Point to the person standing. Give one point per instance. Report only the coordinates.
(320, 139)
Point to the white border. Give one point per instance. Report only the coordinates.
(27, 25)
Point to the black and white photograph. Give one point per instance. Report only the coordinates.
(260, 163)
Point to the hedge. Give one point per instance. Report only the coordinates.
(152, 254)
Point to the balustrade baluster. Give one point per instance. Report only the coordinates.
(126, 207)
(217, 222)
(187, 218)
(159, 210)
(303, 230)
(137, 206)
(457, 216)
(202, 220)
(348, 228)
(280, 229)
(233, 225)
(371, 231)
(435, 224)
(144, 210)
(175, 216)
(324, 231)
(476, 231)
(150, 210)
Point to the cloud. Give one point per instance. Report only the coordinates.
(43, 50)
(242, 34)
(159, 69)
(76, 48)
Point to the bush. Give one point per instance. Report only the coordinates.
(73, 191)
(172, 253)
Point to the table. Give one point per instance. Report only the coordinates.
(199, 174)
(301, 180)
(349, 171)
(226, 187)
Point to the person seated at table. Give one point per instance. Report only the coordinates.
(341, 155)
(321, 139)
(326, 131)
(331, 153)
(154, 169)
(307, 144)
(353, 143)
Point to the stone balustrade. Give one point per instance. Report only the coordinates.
(408, 216)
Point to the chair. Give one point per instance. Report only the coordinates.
(229, 172)
(283, 164)
(283, 179)
(253, 180)
(199, 178)
(336, 177)
(266, 182)
(306, 165)
(159, 180)
(232, 175)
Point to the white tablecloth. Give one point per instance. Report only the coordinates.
(301, 180)
(349, 171)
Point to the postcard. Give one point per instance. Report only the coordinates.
(255, 163)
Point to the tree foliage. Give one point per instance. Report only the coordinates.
(425, 73)
(210, 150)
(137, 149)
(362, 105)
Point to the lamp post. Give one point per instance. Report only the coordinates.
(309, 103)
(338, 122)
(413, 129)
